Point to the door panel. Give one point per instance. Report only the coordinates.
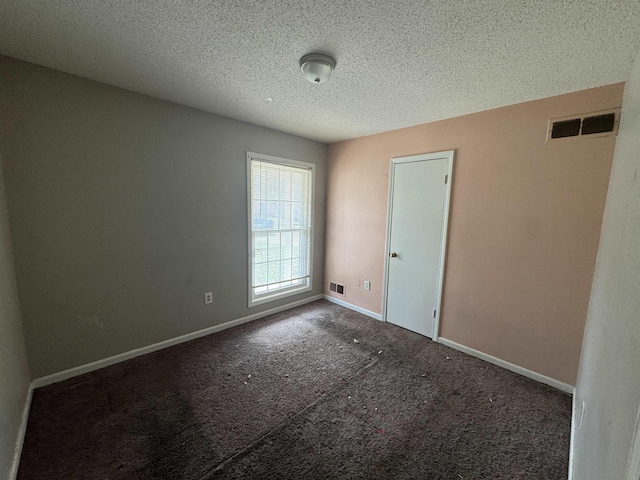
(416, 236)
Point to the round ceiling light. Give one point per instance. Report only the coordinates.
(317, 67)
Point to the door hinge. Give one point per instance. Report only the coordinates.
(434, 313)
(446, 178)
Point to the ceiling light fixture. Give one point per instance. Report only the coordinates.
(317, 68)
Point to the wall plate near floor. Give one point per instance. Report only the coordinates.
(208, 298)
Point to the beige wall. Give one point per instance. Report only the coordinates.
(524, 227)
(14, 371)
(609, 378)
(124, 210)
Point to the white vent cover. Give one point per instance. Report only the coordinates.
(593, 125)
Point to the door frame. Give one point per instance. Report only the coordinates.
(448, 155)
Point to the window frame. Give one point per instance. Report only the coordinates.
(254, 300)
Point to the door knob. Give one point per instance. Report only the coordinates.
(393, 255)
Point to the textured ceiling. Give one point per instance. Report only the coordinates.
(400, 63)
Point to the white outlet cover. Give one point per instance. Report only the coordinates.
(208, 298)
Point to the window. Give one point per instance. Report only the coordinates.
(280, 227)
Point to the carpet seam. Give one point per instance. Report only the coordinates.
(286, 422)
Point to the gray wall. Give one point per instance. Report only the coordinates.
(124, 210)
(609, 374)
(14, 372)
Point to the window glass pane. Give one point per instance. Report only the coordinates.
(260, 248)
(285, 245)
(273, 184)
(260, 274)
(256, 183)
(296, 187)
(258, 222)
(285, 215)
(295, 215)
(295, 268)
(295, 244)
(285, 270)
(273, 272)
(302, 250)
(263, 184)
(272, 215)
(285, 186)
(274, 247)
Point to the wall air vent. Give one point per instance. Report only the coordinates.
(595, 124)
(598, 124)
(566, 128)
(335, 287)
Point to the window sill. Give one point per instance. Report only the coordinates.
(270, 297)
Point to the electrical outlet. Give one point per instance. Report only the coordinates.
(208, 298)
(367, 285)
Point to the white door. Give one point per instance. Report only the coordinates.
(417, 225)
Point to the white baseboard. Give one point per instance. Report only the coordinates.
(21, 434)
(564, 387)
(572, 439)
(355, 308)
(90, 367)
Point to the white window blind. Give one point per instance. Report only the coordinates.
(280, 194)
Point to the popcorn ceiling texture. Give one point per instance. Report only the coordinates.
(400, 63)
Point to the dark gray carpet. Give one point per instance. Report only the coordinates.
(293, 396)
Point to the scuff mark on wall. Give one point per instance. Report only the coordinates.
(92, 320)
